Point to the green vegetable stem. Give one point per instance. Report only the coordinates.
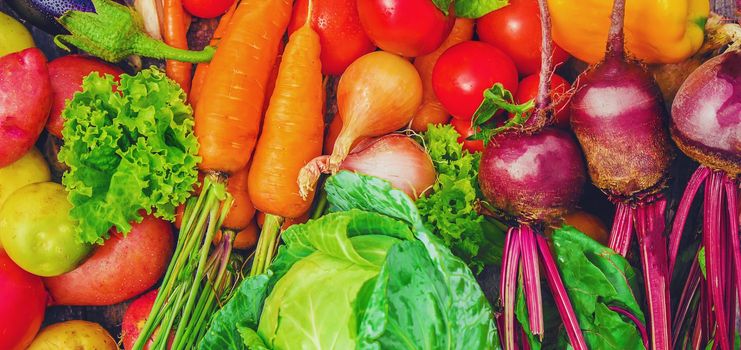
(114, 32)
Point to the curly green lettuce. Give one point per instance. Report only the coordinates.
(450, 210)
(130, 149)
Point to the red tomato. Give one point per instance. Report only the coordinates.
(463, 127)
(207, 8)
(22, 305)
(66, 74)
(528, 90)
(340, 33)
(405, 27)
(515, 29)
(464, 71)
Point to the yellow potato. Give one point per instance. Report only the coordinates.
(15, 37)
(31, 168)
(73, 335)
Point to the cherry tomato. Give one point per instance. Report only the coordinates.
(405, 27)
(464, 71)
(515, 29)
(463, 127)
(528, 90)
(342, 37)
(207, 8)
(22, 305)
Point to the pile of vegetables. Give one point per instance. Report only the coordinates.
(370, 174)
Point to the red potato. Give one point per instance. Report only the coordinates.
(25, 99)
(135, 318)
(120, 269)
(66, 75)
(559, 89)
(22, 305)
(408, 28)
(515, 29)
(342, 37)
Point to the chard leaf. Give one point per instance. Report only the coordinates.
(128, 151)
(443, 5)
(595, 278)
(477, 8)
(467, 305)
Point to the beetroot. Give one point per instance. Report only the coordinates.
(619, 118)
(534, 175)
(706, 116)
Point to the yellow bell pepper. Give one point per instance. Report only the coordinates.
(656, 31)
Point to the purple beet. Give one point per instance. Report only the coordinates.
(536, 177)
(706, 125)
(619, 118)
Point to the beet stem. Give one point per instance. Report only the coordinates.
(650, 232)
(561, 297)
(691, 288)
(622, 229)
(713, 256)
(508, 286)
(616, 35)
(731, 188)
(543, 100)
(641, 327)
(531, 273)
(680, 218)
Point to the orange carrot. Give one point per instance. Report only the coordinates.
(245, 239)
(242, 210)
(174, 25)
(227, 118)
(292, 131)
(202, 68)
(431, 111)
(273, 77)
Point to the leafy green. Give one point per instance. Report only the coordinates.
(230, 324)
(701, 261)
(477, 8)
(467, 304)
(114, 32)
(443, 5)
(498, 98)
(127, 151)
(450, 209)
(595, 278)
(359, 278)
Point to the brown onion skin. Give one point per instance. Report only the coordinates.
(706, 114)
(395, 158)
(535, 177)
(620, 121)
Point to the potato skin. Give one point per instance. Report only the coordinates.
(73, 335)
(120, 269)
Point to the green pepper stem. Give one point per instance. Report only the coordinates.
(145, 45)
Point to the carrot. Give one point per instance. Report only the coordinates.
(202, 68)
(431, 111)
(245, 239)
(291, 136)
(227, 118)
(273, 77)
(174, 25)
(242, 210)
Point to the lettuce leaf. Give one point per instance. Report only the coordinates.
(130, 148)
(449, 211)
(596, 278)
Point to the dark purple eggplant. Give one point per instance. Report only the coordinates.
(43, 13)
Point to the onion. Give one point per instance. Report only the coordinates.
(377, 94)
(394, 157)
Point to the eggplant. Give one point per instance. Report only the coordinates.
(43, 13)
